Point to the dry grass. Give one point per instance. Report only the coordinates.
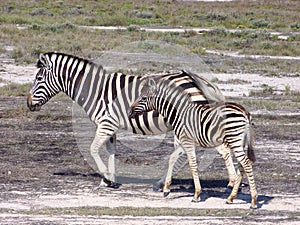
(261, 14)
(53, 26)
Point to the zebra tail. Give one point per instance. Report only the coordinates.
(250, 140)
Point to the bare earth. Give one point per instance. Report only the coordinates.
(42, 167)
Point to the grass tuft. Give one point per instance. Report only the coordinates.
(15, 90)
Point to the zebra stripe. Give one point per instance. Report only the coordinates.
(106, 98)
(222, 125)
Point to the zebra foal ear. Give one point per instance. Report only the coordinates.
(152, 85)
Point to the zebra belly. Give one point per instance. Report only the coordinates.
(149, 123)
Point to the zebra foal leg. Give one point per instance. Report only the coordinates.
(191, 154)
(177, 160)
(246, 165)
(224, 151)
(236, 185)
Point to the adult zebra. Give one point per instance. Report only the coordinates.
(221, 125)
(106, 99)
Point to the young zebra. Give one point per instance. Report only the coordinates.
(106, 99)
(222, 125)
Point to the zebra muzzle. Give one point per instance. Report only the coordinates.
(131, 113)
(30, 105)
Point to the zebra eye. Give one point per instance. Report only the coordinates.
(144, 98)
(40, 78)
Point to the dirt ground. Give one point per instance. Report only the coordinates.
(42, 167)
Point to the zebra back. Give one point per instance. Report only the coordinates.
(209, 124)
(198, 89)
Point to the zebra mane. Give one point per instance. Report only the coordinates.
(155, 84)
(43, 61)
(166, 87)
(211, 92)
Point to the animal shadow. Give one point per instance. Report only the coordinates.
(216, 188)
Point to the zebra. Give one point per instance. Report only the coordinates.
(106, 99)
(225, 126)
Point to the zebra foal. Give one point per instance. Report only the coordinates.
(106, 99)
(226, 126)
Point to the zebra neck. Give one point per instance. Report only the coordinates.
(83, 83)
(173, 108)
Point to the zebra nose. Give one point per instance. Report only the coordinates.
(29, 102)
(131, 113)
(30, 105)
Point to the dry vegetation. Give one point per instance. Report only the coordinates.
(53, 25)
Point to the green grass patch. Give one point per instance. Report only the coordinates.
(270, 104)
(146, 211)
(15, 90)
(242, 14)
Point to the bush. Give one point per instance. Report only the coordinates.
(216, 16)
(41, 11)
(218, 31)
(295, 25)
(260, 23)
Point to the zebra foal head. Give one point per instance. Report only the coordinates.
(45, 84)
(146, 101)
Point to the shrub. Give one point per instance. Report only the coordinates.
(216, 16)
(41, 11)
(295, 25)
(260, 23)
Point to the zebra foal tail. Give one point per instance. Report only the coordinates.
(250, 142)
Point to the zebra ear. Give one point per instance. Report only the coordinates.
(43, 62)
(152, 85)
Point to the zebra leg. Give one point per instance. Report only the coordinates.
(177, 161)
(246, 165)
(111, 148)
(236, 185)
(224, 151)
(189, 147)
(104, 132)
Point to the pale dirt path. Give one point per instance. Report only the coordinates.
(138, 220)
(10, 73)
(20, 74)
(141, 195)
(133, 195)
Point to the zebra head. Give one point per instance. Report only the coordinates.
(45, 85)
(146, 101)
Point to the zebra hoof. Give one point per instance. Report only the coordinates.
(114, 185)
(166, 193)
(229, 200)
(253, 207)
(111, 184)
(102, 183)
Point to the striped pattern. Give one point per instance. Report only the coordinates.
(106, 99)
(226, 126)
